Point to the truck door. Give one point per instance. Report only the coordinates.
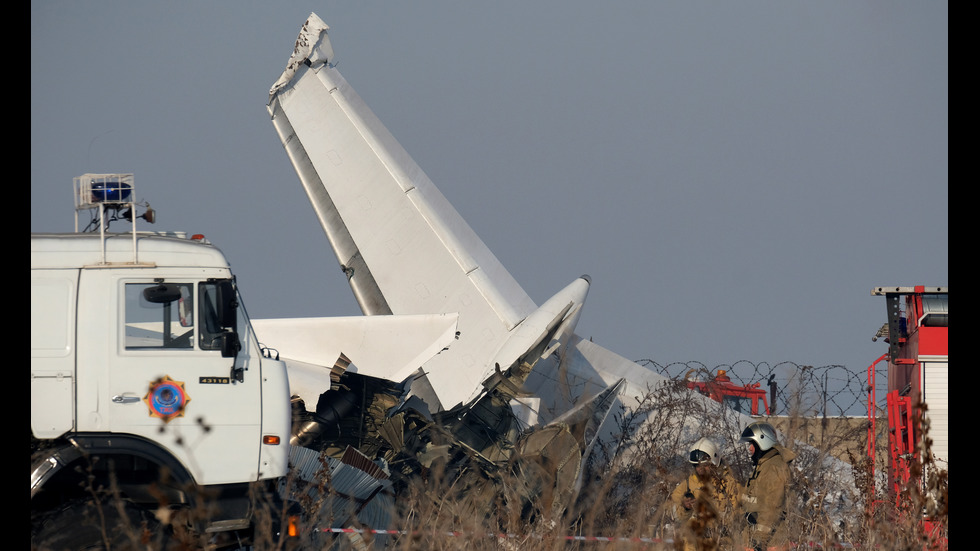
(169, 382)
(52, 351)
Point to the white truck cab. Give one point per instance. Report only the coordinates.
(145, 372)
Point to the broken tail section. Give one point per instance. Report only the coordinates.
(404, 248)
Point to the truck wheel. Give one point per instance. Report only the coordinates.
(78, 525)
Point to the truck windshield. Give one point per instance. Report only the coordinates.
(740, 404)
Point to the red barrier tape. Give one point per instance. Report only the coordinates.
(498, 536)
(608, 539)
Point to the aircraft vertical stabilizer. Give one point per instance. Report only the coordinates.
(404, 248)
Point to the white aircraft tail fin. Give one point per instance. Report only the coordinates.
(374, 201)
(404, 248)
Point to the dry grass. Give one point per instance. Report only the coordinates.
(625, 488)
(623, 491)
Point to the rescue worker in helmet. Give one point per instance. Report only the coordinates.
(764, 500)
(704, 501)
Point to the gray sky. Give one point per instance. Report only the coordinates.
(735, 177)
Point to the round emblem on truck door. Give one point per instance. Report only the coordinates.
(166, 398)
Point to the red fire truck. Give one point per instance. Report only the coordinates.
(917, 333)
(747, 399)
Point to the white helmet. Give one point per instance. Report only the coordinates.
(760, 434)
(704, 450)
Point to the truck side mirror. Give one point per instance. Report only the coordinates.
(164, 293)
(230, 345)
(227, 305)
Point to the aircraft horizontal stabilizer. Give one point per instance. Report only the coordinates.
(547, 328)
(386, 347)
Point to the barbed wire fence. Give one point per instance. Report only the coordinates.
(820, 413)
(812, 391)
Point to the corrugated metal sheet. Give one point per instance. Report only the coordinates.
(353, 491)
